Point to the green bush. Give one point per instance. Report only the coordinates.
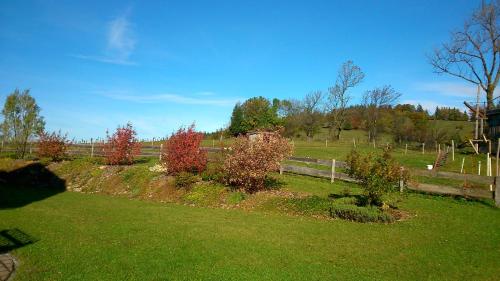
(359, 214)
(342, 208)
(185, 180)
(378, 174)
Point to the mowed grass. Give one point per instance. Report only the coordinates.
(99, 237)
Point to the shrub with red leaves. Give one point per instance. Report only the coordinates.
(122, 146)
(53, 145)
(182, 152)
(251, 160)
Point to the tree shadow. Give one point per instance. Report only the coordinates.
(273, 183)
(31, 183)
(11, 239)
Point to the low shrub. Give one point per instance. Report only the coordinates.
(53, 145)
(182, 152)
(122, 147)
(359, 214)
(342, 208)
(378, 174)
(185, 180)
(250, 160)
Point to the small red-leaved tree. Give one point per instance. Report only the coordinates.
(182, 152)
(53, 145)
(122, 146)
(250, 160)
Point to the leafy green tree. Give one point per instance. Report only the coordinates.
(22, 120)
(255, 113)
(237, 127)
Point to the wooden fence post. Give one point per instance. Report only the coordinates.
(479, 168)
(406, 148)
(281, 169)
(496, 194)
(354, 142)
(161, 149)
(333, 171)
(498, 152)
(487, 164)
(423, 148)
(401, 182)
(462, 168)
(91, 149)
(452, 150)
(326, 142)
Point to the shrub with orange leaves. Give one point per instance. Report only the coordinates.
(122, 147)
(182, 152)
(53, 145)
(251, 159)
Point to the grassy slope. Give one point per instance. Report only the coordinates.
(98, 237)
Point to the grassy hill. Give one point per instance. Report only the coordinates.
(102, 237)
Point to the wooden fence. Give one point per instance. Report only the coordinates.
(422, 187)
(96, 149)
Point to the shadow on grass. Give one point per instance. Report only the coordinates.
(456, 198)
(11, 239)
(31, 183)
(272, 183)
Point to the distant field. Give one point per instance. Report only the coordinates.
(321, 149)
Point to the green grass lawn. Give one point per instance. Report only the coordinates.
(100, 237)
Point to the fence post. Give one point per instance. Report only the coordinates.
(161, 149)
(487, 164)
(281, 169)
(496, 194)
(326, 142)
(462, 168)
(401, 182)
(452, 150)
(406, 148)
(354, 142)
(479, 168)
(91, 148)
(333, 171)
(423, 148)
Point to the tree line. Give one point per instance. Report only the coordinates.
(377, 113)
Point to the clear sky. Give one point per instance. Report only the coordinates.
(94, 65)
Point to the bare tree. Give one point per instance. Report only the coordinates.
(473, 53)
(349, 76)
(374, 101)
(310, 116)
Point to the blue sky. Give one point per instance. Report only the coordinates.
(94, 65)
